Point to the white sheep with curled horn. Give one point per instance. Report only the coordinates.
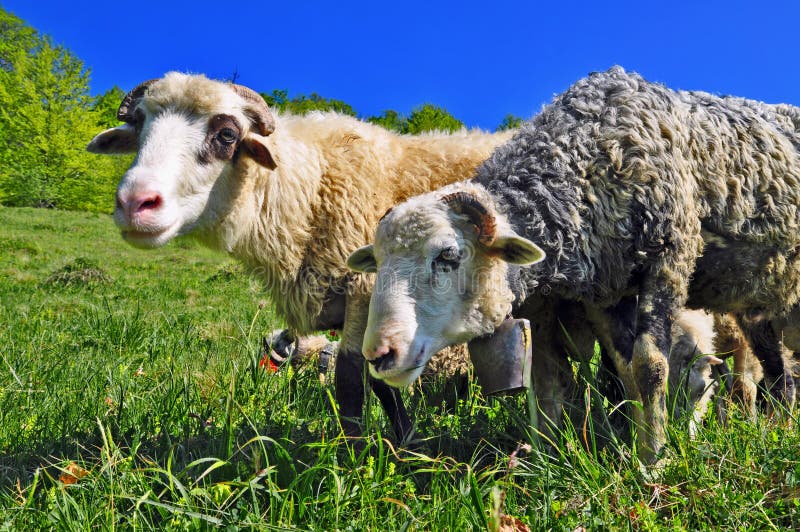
(623, 196)
(288, 196)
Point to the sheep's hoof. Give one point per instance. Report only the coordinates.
(327, 356)
(279, 345)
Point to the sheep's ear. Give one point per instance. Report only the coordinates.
(122, 139)
(363, 260)
(256, 146)
(516, 250)
(711, 360)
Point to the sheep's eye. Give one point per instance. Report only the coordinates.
(447, 260)
(227, 136)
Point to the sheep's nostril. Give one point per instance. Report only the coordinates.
(385, 361)
(153, 202)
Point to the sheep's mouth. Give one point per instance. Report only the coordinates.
(132, 233)
(403, 376)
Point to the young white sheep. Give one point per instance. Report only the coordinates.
(288, 196)
(694, 370)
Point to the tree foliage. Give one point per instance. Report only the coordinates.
(423, 119)
(46, 119)
(106, 106)
(302, 104)
(510, 122)
(391, 120)
(430, 117)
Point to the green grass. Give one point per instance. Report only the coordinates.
(133, 376)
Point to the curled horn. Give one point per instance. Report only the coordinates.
(261, 114)
(125, 111)
(469, 205)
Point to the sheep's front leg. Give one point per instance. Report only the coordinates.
(349, 391)
(349, 377)
(553, 379)
(558, 330)
(615, 328)
(635, 334)
(768, 348)
(393, 405)
(553, 382)
(348, 386)
(730, 339)
(650, 367)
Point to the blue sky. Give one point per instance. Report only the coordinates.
(480, 60)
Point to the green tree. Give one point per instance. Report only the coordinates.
(43, 109)
(106, 105)
(302, 104)
(424, 118)
(97, 192)
(278, 99)
(46, 119)
(15, 39)
(430, 117)
(510, 122)
(15, 36)
(390, 120)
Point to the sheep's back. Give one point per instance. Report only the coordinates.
(618, 169)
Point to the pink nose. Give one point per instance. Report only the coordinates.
(382, 358)
(138, 203)
(372, 354)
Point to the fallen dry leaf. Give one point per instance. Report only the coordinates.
(512, 524)
(72, 474)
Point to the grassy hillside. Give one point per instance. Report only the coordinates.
(131, 396)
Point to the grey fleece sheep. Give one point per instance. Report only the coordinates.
(623, 184)
(620, 181)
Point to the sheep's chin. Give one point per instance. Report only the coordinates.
(150, 239)
(399, 379)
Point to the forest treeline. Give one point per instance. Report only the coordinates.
(47, 116)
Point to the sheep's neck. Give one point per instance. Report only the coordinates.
(270, 224)
(555, 231)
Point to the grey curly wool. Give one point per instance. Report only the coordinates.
(618, 170)
(623, 182)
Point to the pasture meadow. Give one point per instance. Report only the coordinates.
(132, 396)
